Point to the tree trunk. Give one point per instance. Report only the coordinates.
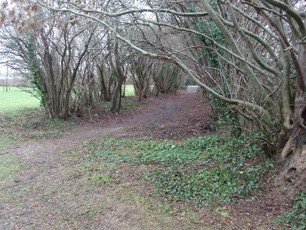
(140, 86)
(104, 90)
(293, 157)
(116, 95)
(64, 110)
(121, 78)
(123, 93)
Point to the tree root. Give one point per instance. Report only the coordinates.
(292, 175)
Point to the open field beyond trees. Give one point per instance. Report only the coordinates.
(18, 98)
(15, 99)
(159, 164)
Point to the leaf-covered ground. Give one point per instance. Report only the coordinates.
(159, 164)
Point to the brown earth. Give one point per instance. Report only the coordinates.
(51, 187)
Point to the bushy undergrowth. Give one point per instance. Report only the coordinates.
(297, 217)
(210, 168)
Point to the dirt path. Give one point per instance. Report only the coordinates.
(54, 190)
(167, 117)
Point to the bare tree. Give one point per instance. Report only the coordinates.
(141, 75)
(50, 54)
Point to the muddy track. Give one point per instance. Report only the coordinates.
(48, 193)
(184, 113)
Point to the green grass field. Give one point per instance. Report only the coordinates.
(16, 99)
(129, 90)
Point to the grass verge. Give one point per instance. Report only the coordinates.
(203, 169)
(30, 123)
(9, 165)
(138, 182)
